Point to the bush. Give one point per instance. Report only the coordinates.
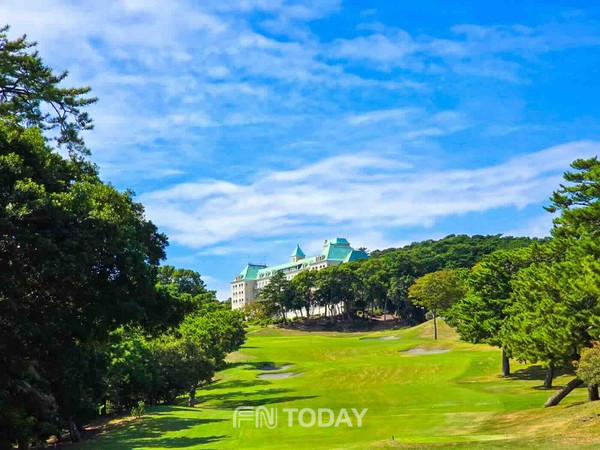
(138, 410)
(588, 367)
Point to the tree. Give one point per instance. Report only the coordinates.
(304, 285)
(556, 306)
(277, 294)
(28, 89)
(181, 292)
(185, 281)
(132, 371)
(373, 279)
(345, 288)
(216, 333)
(540, 326)
(78, 259)
(479, 316)
(437, 291)
(181, 365)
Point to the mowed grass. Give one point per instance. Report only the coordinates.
(454, 399)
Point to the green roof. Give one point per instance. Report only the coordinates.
(339, 241)
(298, 251)
(337, 249)
(355, 255)
(250, 272)
(268, 271)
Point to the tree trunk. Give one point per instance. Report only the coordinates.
(434, 324)
(192, 397)
(385, 310)
(566, 390)
(505, 364)
(74, 431)
(593, 393)
(549, 376)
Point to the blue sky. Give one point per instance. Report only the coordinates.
(246, 127)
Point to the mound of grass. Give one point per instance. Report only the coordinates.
(454, 399)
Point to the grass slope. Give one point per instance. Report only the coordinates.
(453, 399)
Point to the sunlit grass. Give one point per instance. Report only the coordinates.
(414, 401)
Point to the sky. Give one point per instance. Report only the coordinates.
(250, 126)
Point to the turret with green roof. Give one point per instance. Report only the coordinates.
(298, 254)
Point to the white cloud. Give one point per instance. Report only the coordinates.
(173, 77)
(381, 115)
(353, 194)
(539, 226)
(475, 50)
(181, 69)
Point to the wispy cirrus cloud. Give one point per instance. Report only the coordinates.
(354, 193)
(174, 78)
(245, 125)
(496, 51)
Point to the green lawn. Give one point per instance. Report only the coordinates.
(414, 401)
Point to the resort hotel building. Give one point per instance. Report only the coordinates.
(245, 286)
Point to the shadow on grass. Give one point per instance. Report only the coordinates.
(538, 372)
(150, 431)
(202, 398)
(234, 384)
(253, 365)
(234, 403)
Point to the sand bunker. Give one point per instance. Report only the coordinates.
(382, 338)
(274, 367)
(423, 351)
(277, 376)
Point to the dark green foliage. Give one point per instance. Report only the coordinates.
(153, 369)
(87, 318)
(180, 292)
(406, 264)
(277, 296)
(28, 410)
(557, 301)
(184, 281)
(303, 286)
(181, 364)
(381, 282)
(132, 374)
(217, 332)
(77, 259)
(479, 316)
(578, 201)
(28, 89)
(455, 251)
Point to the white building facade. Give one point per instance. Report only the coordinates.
(245, 286)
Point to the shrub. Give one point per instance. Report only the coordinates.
(138, 410)
(588, 367)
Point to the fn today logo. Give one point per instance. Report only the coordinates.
(262, 416)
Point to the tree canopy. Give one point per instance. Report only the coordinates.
(438, 291)
(31, 94)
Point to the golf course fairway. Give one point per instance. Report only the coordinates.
(443, 393)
